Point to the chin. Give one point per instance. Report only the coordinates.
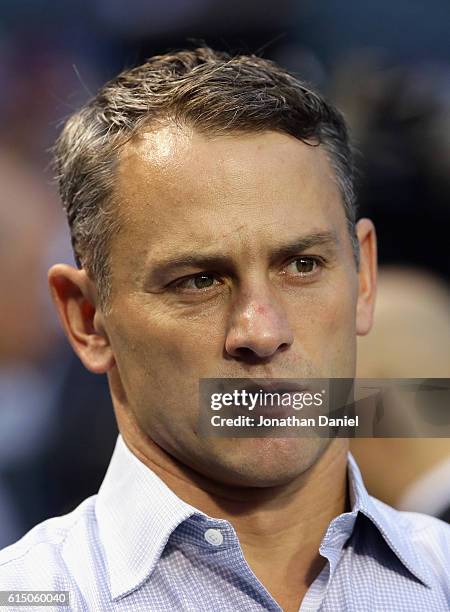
(266, 462)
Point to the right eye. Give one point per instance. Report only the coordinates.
(198, 282)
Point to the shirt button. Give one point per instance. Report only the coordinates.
(214, 537)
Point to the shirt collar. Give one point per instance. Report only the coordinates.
(137, 512)
(390, 523)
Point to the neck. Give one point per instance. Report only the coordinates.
(279, 528)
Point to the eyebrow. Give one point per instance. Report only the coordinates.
(284, 251)
(163, 267)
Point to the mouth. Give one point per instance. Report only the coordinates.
(268, 397)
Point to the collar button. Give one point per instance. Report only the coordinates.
(214, 537)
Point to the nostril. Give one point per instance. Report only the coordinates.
(284, 346)
(245, 352)
(249, 356)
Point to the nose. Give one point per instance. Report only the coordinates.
(259, 328)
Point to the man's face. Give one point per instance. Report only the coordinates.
(212, 276)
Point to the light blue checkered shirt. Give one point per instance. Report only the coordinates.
(136, 546)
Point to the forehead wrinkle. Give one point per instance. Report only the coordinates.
(143, 182)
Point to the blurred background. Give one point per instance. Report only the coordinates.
(386, 65)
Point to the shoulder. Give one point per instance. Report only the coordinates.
(43, 558)
(428, 536)
(422, 527)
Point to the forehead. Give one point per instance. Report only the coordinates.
(177, 187)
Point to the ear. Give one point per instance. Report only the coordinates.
(367, 275)
(76, 301)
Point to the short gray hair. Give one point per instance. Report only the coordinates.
(211, 91)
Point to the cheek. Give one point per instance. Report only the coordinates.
(340, 333)
(325, 329)
(187, 345)
(152, 349)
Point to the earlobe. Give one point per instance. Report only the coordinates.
(75, 300)
(367, 276)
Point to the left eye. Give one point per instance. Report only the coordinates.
(303, 266)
